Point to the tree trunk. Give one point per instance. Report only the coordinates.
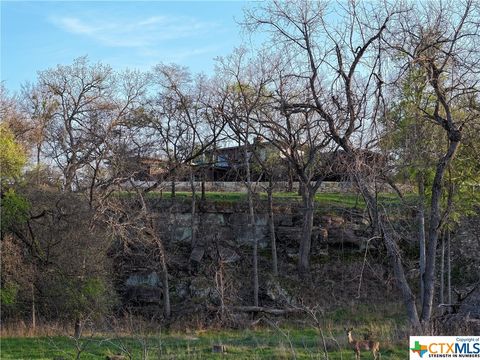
(166, 291)
(193, 211)
(253, 229)
(203, 185)
(69, 177)
(39, 151)
(421, 232)
(34, 322)
(442, 271)
(164, 270)
(395, 257)
(290, 179)
(393, 251)
(370, 200)
(301, 188)
(449, 269)
(434, 228)
(272, 229)
(78, 328)
(219, 282)
(306, 240)
(173, 188)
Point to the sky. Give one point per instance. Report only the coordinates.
(37, 35)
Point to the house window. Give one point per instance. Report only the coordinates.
(222, 160)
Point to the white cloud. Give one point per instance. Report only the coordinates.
(76, 26)
(135, 33)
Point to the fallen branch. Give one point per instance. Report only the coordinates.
(256, 309)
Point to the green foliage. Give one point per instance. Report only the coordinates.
(8, 294)
(14, 209)
(419, 145)
(12, 156)
(462, 181)
(80, 297)
(93, 288)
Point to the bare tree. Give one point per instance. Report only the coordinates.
(244, 89)
(341, 69)
(345, 75)
(182, 118)
(78, 94)
(298, 136)
(442, 39)
(272, 167)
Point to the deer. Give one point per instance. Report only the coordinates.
(358, 345)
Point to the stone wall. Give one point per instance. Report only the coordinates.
(237, 186)
(222, 232)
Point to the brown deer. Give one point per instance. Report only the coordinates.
(358, 345)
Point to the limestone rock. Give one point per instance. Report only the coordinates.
(202, 289)
(197, 254)
(139, 279)
(181, 290)
(228, 255)
(278, 294)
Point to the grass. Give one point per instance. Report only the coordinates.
(247, 344)
(347, 200)
(322, 199)
(385, 322)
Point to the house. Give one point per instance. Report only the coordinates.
(227, 164)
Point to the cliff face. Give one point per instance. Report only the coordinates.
(214, 268)
(222, 248)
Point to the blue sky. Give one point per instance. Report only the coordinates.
(37, 35)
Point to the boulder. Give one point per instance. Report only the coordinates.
(143, 279)
(294, 234)
(202, 289)
(244, 237)
(278, 294)
(197, 254)
(182, 234)
(332, 221)
(181, 290)
(343, 235)
(228, 255)
(213, 219)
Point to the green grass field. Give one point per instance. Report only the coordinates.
(338, 199)
(247, 344)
